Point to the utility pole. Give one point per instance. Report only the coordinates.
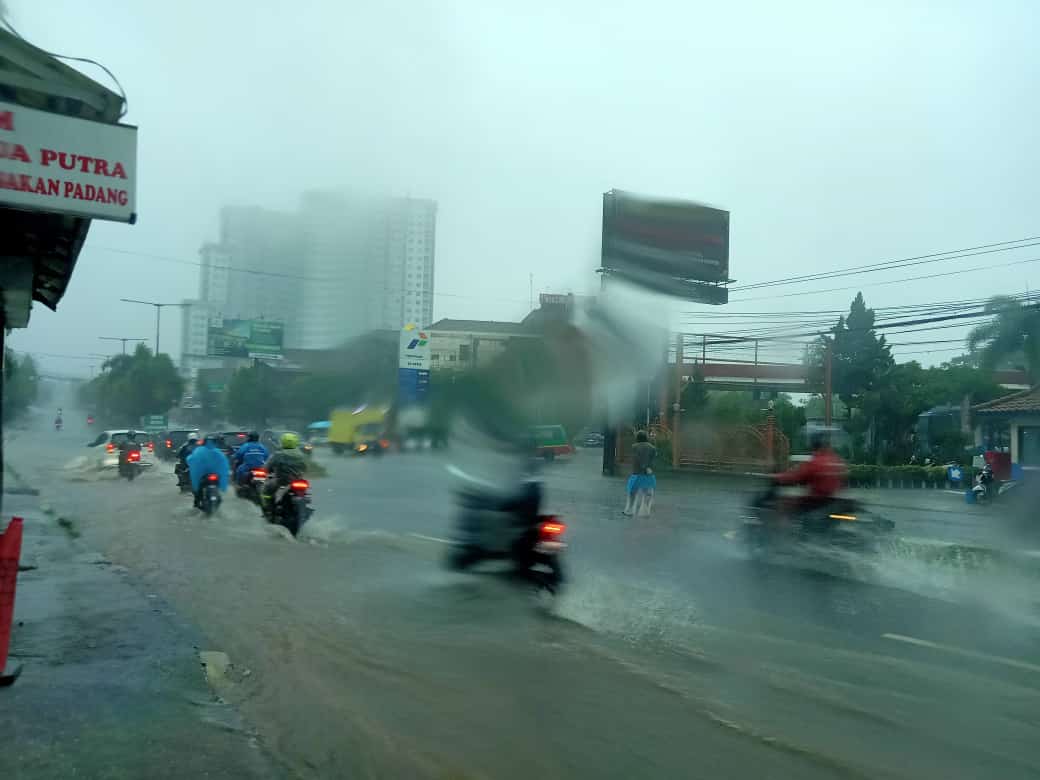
(828, 388)
(677, 407)
(158, 310)
(120, 338)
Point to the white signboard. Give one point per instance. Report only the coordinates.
(415, 348)
(50, 162)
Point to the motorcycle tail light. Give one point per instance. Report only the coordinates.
(259, 473)
(212, 478)
(300, 485)
(133, 456)
(551, 528)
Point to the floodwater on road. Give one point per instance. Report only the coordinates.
(668, 655)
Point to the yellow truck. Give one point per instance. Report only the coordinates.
(361, 430)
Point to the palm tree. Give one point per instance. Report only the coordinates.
(1012, 335)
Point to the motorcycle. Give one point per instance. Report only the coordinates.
(181, 472)
(493, 526)
(988, 488)
(209, 494)
(292, 506)
(252, 486)
(58, 424)
(772, 523)
(130, 465)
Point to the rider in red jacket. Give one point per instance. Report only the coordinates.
(823, 474)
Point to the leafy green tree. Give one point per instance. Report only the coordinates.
(860, 358)
(1012, 336)
(21, 384)
(132, 386)
(695, 398)
(255, 394)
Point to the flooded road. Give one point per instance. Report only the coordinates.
(670, 654)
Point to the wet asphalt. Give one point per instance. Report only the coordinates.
(922, 660)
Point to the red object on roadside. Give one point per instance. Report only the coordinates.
(1001, 463)
(10, 552)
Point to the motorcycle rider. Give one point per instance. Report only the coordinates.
(207, 459)
(823, 475)
(58, 421)
(988, 482)
(251, 455)
(285, 465)
(181, 469)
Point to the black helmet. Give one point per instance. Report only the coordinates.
(817, 441)
(641, 436)
(254, 436)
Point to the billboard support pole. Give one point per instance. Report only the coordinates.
(678, 395)
(828, 388)
(610, 433)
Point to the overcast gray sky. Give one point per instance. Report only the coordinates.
(836, 133)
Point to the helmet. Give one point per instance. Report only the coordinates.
(131, 433)
(290, 441)
(818, 441)
(254, 436)
(641, 436)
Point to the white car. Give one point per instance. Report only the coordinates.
(105, 448)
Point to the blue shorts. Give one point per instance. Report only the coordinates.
(638, 482)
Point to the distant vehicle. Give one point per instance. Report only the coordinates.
(551, 441)
(229, 441)
(105, 448)
(344, 434)
(169, 442)
(370, 439)
(592, 439)
(318, 433)
(90, 419)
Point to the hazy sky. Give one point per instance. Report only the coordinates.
(836, 133)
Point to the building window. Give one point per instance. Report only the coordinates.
(464, 350)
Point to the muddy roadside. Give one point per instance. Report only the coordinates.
(113, 681)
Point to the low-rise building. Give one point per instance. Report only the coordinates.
(1011, 422)
(460, 345)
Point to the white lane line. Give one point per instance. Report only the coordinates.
(731, 535)
(962, 652)
(426, 538)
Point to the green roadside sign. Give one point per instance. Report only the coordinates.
(156, 421)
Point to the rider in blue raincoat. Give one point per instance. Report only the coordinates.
(251, 455)
(208, 459)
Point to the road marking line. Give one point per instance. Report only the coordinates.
(731, 535)
(962, 652)
(426, 538)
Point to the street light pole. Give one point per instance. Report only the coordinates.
(158, 311)
(120, 338)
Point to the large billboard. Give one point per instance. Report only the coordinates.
(50, 162)
(246, 339)
(670, 238)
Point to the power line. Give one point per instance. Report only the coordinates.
(935, 257)
(893, 281)
(282, 275)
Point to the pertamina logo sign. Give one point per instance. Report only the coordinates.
(414, 351)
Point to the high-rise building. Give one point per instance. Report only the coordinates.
(411, 230)
(367, 265)
(337, 268)
(196, 317)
